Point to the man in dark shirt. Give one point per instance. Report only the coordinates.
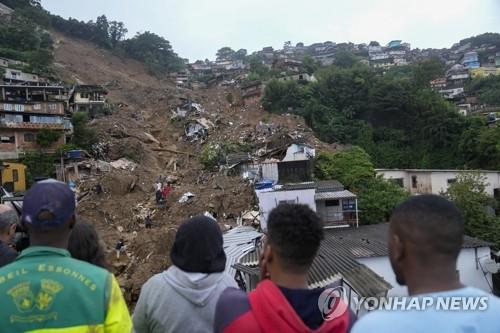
(8, 222)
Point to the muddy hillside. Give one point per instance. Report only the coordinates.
(158, 131)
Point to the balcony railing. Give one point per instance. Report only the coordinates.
(31, 126)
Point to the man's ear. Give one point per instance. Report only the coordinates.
(266, 257)
(12, 229)
(397, 247)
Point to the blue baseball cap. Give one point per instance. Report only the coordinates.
(50, 196)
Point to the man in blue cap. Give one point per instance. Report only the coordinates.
(45, 289)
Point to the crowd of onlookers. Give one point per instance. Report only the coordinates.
(61, 282)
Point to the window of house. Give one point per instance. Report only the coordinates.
(26, 119)
(15, 176)
(330, 203)
(287, 202)
(397, 181)
(8, 139)
(29, 137)
(19, 107)
(349, 204)
(451, 181)
(37, 106)
(414, 181)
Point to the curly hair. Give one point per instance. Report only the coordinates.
(84, 244)
(295, 232)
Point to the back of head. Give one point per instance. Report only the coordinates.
(84, 244)
(432, 224)
(295, 233)
(48, 212)
(198, 246)
(8, 217)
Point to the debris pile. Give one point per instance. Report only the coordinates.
(157, 135)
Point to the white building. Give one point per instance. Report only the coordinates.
(336, 206)
(299, 152)
(368, 244)
(420, 181)
(16, 76)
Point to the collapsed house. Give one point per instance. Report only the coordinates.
(197, 129)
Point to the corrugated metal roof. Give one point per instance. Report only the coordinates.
(331, 264)
(236, 158)
(238, 242)
(345, 194)
(320, 186)
(371, 240)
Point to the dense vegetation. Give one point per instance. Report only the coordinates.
(394, 117)
(149, 48)
(469, 194)
(353, 167)
(21, 39)
(486, 89)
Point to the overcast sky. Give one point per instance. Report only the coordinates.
(198, 28)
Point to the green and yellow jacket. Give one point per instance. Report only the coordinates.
(45, 290)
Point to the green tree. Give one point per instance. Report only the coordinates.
(83, 136)
(468, 193)
(46, 137)
(257, 67)
(225, 53)
(377, 198)
(353, 168)
(212, 155)
(241, 54)
(117, 32)
(309, 65)
(487, 89)
(281, 97)
(101, 36)
(349, 166)
(345, 59)
(426, 71)
(155, 51)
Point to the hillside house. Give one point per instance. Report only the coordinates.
(15, 76)
(422, 181)
(25, 110)
(13, 176)
(336, 206)
(88, 98)
(295, 166)
(368, 245)
(301, 78)
(251, 92)
(471, 60)
(484, 72)
(438, 83)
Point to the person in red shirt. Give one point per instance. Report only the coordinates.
(166, 190)
(282, 301)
